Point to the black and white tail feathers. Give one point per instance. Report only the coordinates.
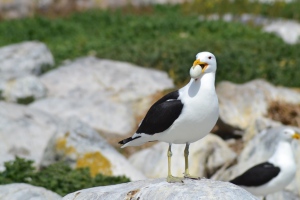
(125, 141)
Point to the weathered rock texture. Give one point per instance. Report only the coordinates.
(241, 104)
(80, 146)
(23, 90)
(21, 191)
(18, 60)
(25, 132)
(159, 189)
(102, 93)
(206, 157)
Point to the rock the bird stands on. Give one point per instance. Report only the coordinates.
(182, 116)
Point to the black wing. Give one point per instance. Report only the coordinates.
(257, 175)
(162, 114)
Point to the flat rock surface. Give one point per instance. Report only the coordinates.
(159, 189)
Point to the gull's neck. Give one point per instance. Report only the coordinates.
(207, 81)
(283, 154)
(203, 85)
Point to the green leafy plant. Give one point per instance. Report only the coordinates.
(57, 177)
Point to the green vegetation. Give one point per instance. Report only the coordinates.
(57, 177)
(163, 37)
(26, 100)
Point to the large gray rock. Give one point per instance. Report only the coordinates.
(23, 90)
(80, 146)
(102, 114)
(24, 132)
(23, 59)
(241, 104)
(206, 157)
(104, 94)
(283, 28)
(21, 191)
(258, 150)
(159, 189)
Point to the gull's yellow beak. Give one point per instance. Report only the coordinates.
(296, 136)
(203, 65)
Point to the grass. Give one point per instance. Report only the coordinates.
(162, 37)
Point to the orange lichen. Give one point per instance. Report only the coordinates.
(61, 145)
(96, 162)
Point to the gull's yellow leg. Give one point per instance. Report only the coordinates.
(186, 161)
(170, 178)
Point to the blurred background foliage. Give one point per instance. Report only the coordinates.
(168, 37)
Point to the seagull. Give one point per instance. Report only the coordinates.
(276, 173)
(182, 116)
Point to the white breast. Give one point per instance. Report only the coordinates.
(199, 114)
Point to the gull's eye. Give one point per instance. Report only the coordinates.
(209, 57)
(202, 66)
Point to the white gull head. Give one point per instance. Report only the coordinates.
(205, 63)
(288, 135)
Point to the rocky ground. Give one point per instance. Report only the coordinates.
(78, 111)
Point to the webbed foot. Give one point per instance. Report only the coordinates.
(173, 179)
(191, 177)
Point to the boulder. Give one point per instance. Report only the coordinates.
(23, 59)
(18, 191)
(258, 150)
(102, 114)
(159, 189)
(206, 157)
(283, 28)
(23, 90)
(241, 104)
(25, 132)
(110, 92)
(81, 146)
